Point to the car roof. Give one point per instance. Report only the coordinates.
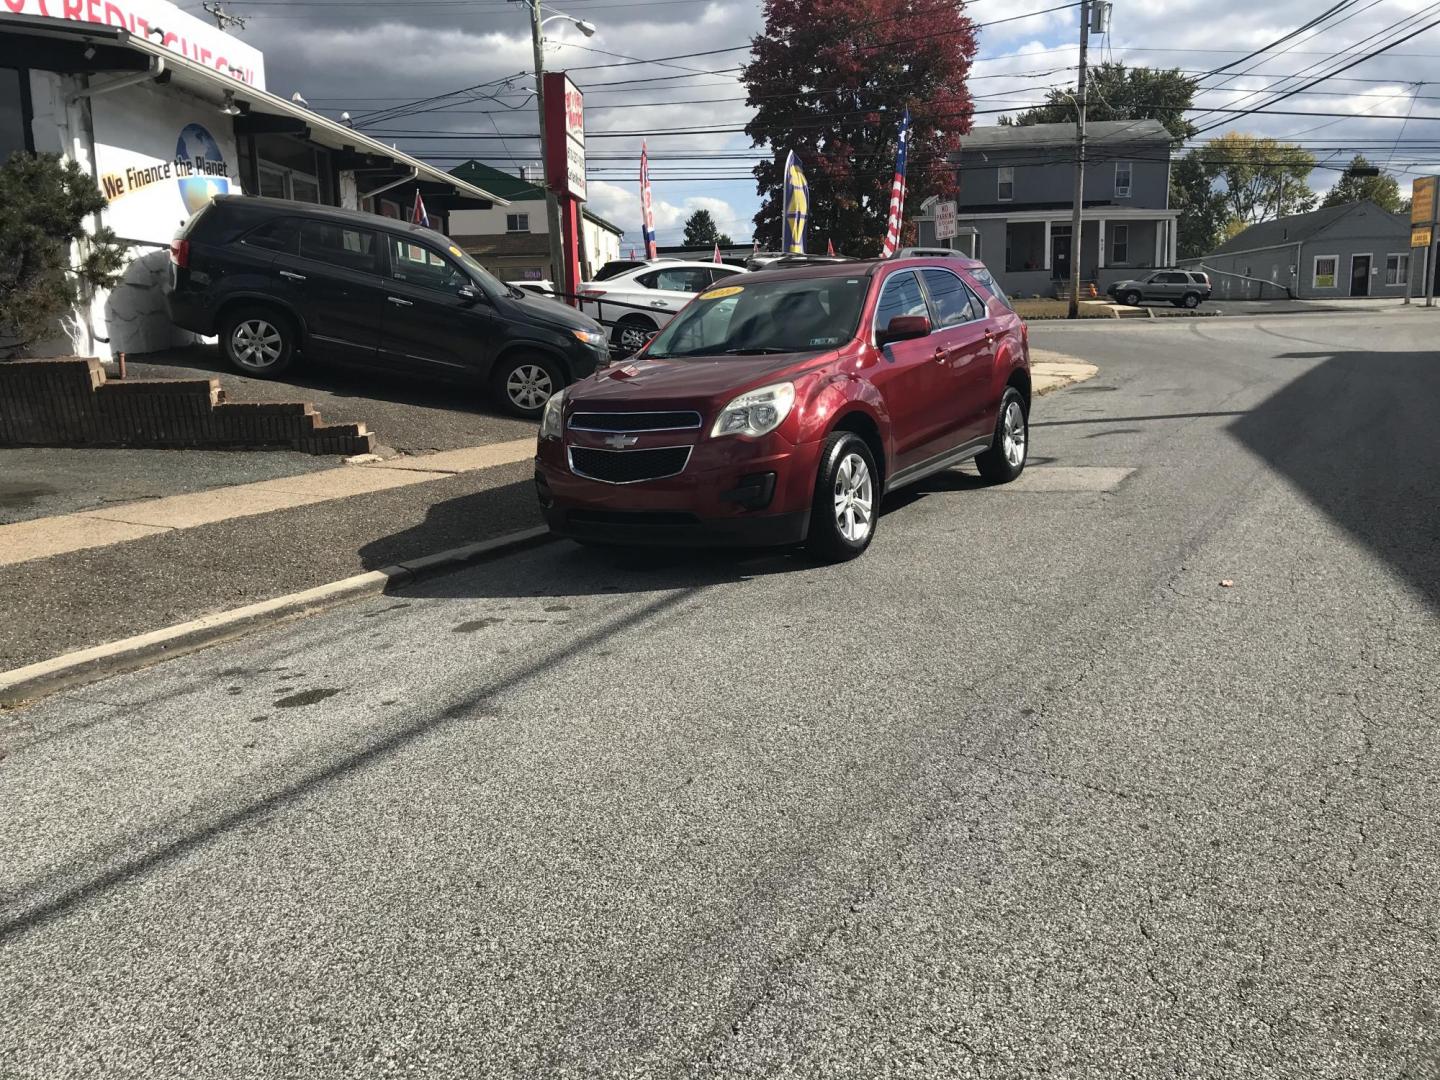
(254, 203)
(864, 267)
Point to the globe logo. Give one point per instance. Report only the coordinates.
(198, 152)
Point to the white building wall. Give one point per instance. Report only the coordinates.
(492, 222)
(601, 246)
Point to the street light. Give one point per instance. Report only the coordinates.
(552, 206)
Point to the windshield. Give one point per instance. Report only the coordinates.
(492, 284)
(756, 317)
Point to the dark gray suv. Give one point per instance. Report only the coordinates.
(1183, 288)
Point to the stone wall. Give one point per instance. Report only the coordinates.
(69, 402)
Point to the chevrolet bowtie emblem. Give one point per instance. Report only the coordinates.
(620, 442)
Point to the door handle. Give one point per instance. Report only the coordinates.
(941, 354)
(659, 303)
(401, 303)
(292, 276)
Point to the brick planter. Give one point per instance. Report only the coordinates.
(69, 402)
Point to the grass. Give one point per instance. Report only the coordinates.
(1059, 309)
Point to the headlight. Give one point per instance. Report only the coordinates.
(594, 338)
(757, 413)
(552, 419)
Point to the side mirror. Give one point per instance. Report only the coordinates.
(467, 293)
(903, 328)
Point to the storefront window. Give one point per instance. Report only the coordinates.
(14, 112)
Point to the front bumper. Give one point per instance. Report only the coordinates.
(732, 492)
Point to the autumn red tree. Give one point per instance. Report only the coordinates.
(830, 80)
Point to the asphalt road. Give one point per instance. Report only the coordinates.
(1023, 792)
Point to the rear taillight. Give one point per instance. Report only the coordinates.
(592, 294)
(180, 254)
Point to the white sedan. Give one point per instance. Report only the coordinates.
(651, 295)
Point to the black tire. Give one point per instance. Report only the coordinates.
(631, 332)
(998, 465)
(522, 382)
(827, 540)
(258, 340)
(1191, 300)
(1132, 298)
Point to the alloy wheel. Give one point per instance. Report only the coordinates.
(854, 499)
(633, 338)
(256, 344)
(1014, 437)
(529, 386)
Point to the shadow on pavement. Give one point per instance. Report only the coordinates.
(1358, 434)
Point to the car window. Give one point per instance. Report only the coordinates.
(340, 245)
(281, 234)
(987, 280)
(416, 264)
(901, 296)
(720, 273)
(951, 299)
(677, 279)
(1170, 279)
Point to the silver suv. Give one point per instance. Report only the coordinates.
(1183, 288)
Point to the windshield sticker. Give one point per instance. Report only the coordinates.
(456, 252)
(824, 341)
(720, 294)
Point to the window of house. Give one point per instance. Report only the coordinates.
(1005, 183)
(1324, 276)
(1119, 244)
(1397, 269)
(517, 222)
(1123, 171)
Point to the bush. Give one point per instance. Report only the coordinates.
(43, 206)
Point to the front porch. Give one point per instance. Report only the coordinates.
(1113, 246)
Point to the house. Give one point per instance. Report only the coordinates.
(164, 110)
(1017, 191)
(1357, 249)
(511, 241)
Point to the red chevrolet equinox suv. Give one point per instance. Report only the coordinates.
(780, 407)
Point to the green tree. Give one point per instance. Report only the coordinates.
(43, 207)
(1262, 178)
(1115, 92)
(700, 231)
(830, 80)
(1383, 190)
(1203, 213)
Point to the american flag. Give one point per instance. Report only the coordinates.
(647, 215)
(896, 220)
(418, 216)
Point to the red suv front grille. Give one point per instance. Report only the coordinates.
(628, 466)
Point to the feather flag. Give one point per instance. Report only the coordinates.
(418, 216)
(896, 220)
(829, 247)
(797, 206)
(647, 214)
(717, 252)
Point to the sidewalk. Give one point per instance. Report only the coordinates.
(80, 579)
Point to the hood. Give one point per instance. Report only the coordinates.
(550, 312)
(685, 382)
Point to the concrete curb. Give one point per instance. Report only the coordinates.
(130, 654)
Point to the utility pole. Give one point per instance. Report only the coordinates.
(1075, 222)
(552, 205)
(223, 19)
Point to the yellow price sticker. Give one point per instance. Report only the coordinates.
(720, 294)
(456, 251)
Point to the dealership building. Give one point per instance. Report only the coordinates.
(164, 111)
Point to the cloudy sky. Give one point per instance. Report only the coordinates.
(369, 56)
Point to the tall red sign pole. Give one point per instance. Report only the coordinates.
(565, 165)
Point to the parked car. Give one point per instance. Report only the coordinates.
(615, 267)
(275, 278)
(535, 288)
(782, 406)
(1183, 288)
(662, 288)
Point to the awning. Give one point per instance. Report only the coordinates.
(53, 45)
